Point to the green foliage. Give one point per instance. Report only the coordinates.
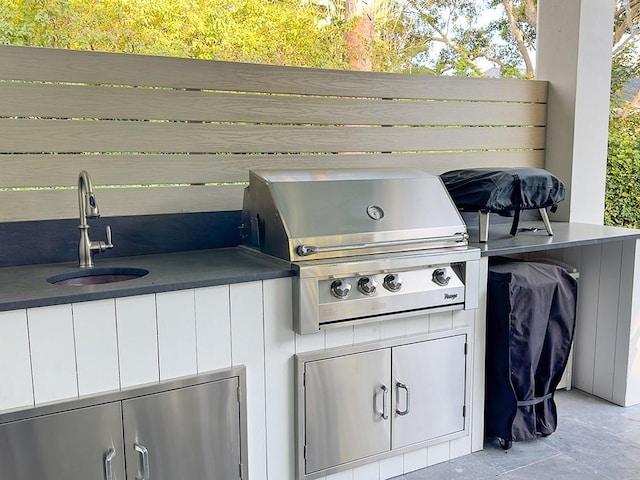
(622, 197)
(622, 200)
(625, 67)
(283, 32)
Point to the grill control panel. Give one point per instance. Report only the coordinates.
(375, 293)
(379, 288)
(367, 285)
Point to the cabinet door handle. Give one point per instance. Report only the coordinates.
(108, 464)
(385, 402)
(402, 386)
(145, 460)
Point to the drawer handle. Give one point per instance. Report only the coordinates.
(402, 386)
(145, 460)
(108, 464)
(385, 402)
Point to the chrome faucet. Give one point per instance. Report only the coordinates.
(88, 209)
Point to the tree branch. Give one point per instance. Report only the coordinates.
(630, 106)
(493, 59)
(624, 5)
(447, 41)
(618, 47)
(517, 33)
(625, 18)
(532, 13)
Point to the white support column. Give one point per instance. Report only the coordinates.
(574, 55)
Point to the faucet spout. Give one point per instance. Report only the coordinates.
(88, 208)
(86, 199)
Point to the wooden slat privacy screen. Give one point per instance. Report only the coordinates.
(169, 135)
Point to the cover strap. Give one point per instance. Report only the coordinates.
(534, 401)
(517, 200)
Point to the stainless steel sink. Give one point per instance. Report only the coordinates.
(97, 276)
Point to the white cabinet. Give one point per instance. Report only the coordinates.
(372, 401)
(189, 428)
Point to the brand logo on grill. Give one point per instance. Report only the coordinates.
(450, 296)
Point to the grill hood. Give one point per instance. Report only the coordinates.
(301, 215)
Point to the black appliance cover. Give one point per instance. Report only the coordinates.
(530, 322)
(503, 191)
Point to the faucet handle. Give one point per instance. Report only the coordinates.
(98, 246)
(109, 243)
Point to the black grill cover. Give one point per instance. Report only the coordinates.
(503, 191)
(530, 322)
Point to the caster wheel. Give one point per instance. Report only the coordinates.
(505, 444)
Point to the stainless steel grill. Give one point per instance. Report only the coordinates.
(366, 244)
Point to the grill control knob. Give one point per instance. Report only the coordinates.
(340, 288)
(367, 285)
(392, 282)
(440, 277)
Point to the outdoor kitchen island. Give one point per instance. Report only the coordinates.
(91, 340)
(196, 149)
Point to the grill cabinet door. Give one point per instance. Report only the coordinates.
(344, 400)
(189, 433)
(63, 446)
(434, 374)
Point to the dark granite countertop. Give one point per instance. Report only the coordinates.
(27, 286)
(565, 235)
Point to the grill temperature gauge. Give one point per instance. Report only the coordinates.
(340, 288)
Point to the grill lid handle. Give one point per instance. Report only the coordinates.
(307, 250)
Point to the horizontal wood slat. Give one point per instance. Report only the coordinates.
(48, 204)
(31, 136)
(62, 170)
(66, 101)
(41, 64)
(134, 120)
